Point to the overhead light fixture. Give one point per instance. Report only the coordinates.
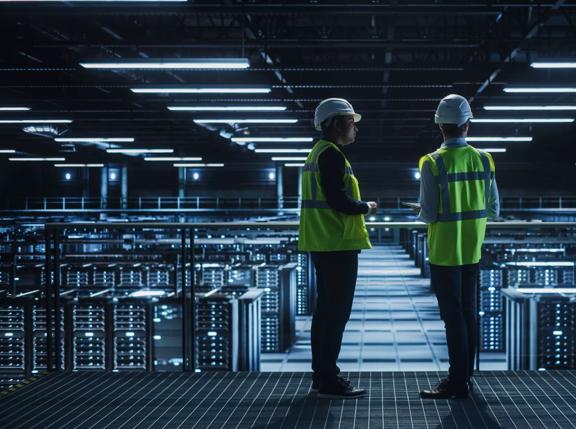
(147, 293)
(78, 165)
(35, 121)
(14, 109)
(95, 139)
(7, 151)
(494, 149)
(227, 108)
(171, 63)
(139, 150)
(245, 121)
(559, 90)
(498, 139)
(272, 139)
(523, 120)
(91, 1)
(553, 65)
(197, 165)
(288, 158)
(197, 90)
(173, 158)
(293, 164)
(37, 159)
(283, 150)
(535, 108)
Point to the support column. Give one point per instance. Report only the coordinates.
(279, 186)
(104, 187)
(124, 187)
(85, 182)
(181, 182)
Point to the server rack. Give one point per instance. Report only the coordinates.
(305, 284)
(540, 329)
(278, 306)
(491, 310)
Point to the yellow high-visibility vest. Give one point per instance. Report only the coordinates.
(463, 176)
(321, 228)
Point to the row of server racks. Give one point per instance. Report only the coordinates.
(120, 306)
(527, 296)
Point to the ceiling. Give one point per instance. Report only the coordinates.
(393, 60)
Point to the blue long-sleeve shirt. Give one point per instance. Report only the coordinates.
(429, 190)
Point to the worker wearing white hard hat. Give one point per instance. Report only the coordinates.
(458, 193)
(332, 229)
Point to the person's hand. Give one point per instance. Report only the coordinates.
(373, 207)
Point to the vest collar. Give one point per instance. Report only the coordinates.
(455, 142)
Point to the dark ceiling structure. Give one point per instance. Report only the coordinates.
(393, 60)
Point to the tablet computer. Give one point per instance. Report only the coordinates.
(411, 205)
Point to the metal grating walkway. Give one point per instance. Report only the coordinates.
(282, 400)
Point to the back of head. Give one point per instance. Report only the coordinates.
(453, 114)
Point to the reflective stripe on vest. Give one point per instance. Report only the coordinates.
(314, 203)
(444, 178)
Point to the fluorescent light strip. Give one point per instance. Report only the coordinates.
(14, 109)
(294, 165)
(542, 264)
(272, 139)
(288, 158)
(173, 63)
(197, 165)
(547, 290)
(494, 149)
(523, 120)
(498, 139)
(78, 165)
(227, 108)
(536, 108)
(173, 158)
(245, 121)
(37, 159)
(35, 121)
(7, 151)
(283, 150)
(553, 65)
(95, 139)
(541, 90)
(140, 150)
(201, 90)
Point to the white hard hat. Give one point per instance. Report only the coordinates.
(453, 109)
(333, 107)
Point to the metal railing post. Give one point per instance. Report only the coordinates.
(48, 303)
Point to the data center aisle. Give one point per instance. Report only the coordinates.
(395, 323)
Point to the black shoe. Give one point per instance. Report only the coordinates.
(315, 385)
(316, 382)
(339, 388)
(445, 390)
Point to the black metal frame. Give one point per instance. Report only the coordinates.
(53, 304)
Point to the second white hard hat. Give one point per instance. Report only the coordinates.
(333, 107)
(453, 109)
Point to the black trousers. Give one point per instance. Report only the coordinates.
(455, 289)
(336, 274)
